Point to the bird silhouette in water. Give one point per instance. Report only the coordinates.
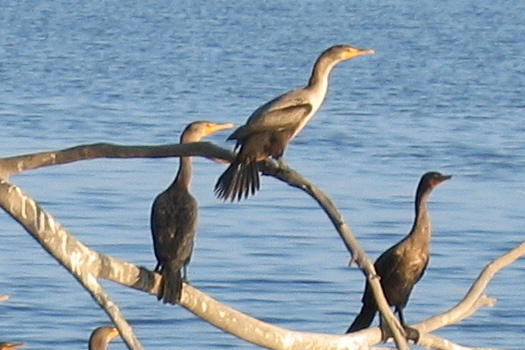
(174, 218)
(273, 125)
(401, 266)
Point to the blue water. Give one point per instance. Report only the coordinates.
(444, 91)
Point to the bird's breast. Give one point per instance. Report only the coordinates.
(316, 100)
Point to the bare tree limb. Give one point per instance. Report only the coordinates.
(69, 252)
(95, 265)
(474, 297)
(295, 179)
(472, 301)
(434, 342)
(17, 164)
(87, 265)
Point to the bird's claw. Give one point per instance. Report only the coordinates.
(412, 334)
(408, 333)
(386, 333)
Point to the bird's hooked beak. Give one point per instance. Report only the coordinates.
(212, 128)
(358, 52)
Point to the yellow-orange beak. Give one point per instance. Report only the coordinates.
(358, 52)
(113, 334)
(212, 127)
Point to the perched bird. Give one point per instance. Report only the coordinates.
(101, 337)
(174, 217)
(402, 265)
(274, 124)
(10, 346)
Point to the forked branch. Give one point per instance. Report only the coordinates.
(87, 265)
(13, 165)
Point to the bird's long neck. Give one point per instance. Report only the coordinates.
(183, 177)
(422, 229)
(321, 75)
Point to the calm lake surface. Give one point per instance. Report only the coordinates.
(445, 91)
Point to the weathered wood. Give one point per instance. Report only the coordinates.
(87, 265)
(18, 164)
(78, 259)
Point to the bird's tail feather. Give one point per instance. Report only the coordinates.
(364, 319)
(239, 180)
(171, 283)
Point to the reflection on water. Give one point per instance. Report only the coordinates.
(444, 91)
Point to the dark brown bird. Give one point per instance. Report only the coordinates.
(174, 217)
(101, 337)
(402, 265)
(10, 346)
(274, 124)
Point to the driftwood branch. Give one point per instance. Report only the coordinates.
(67, 250)
(474, 297)
(18, 164)
(473, 300)
(431, 341)
(87, 265)
(295, 179)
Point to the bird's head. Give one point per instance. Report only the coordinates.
(433, 178)
(101, 336)
(429, 181)
(346, 52)
(196, 131)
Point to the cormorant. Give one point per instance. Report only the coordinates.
(273, 125)
(174, 217)
(402, 265)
